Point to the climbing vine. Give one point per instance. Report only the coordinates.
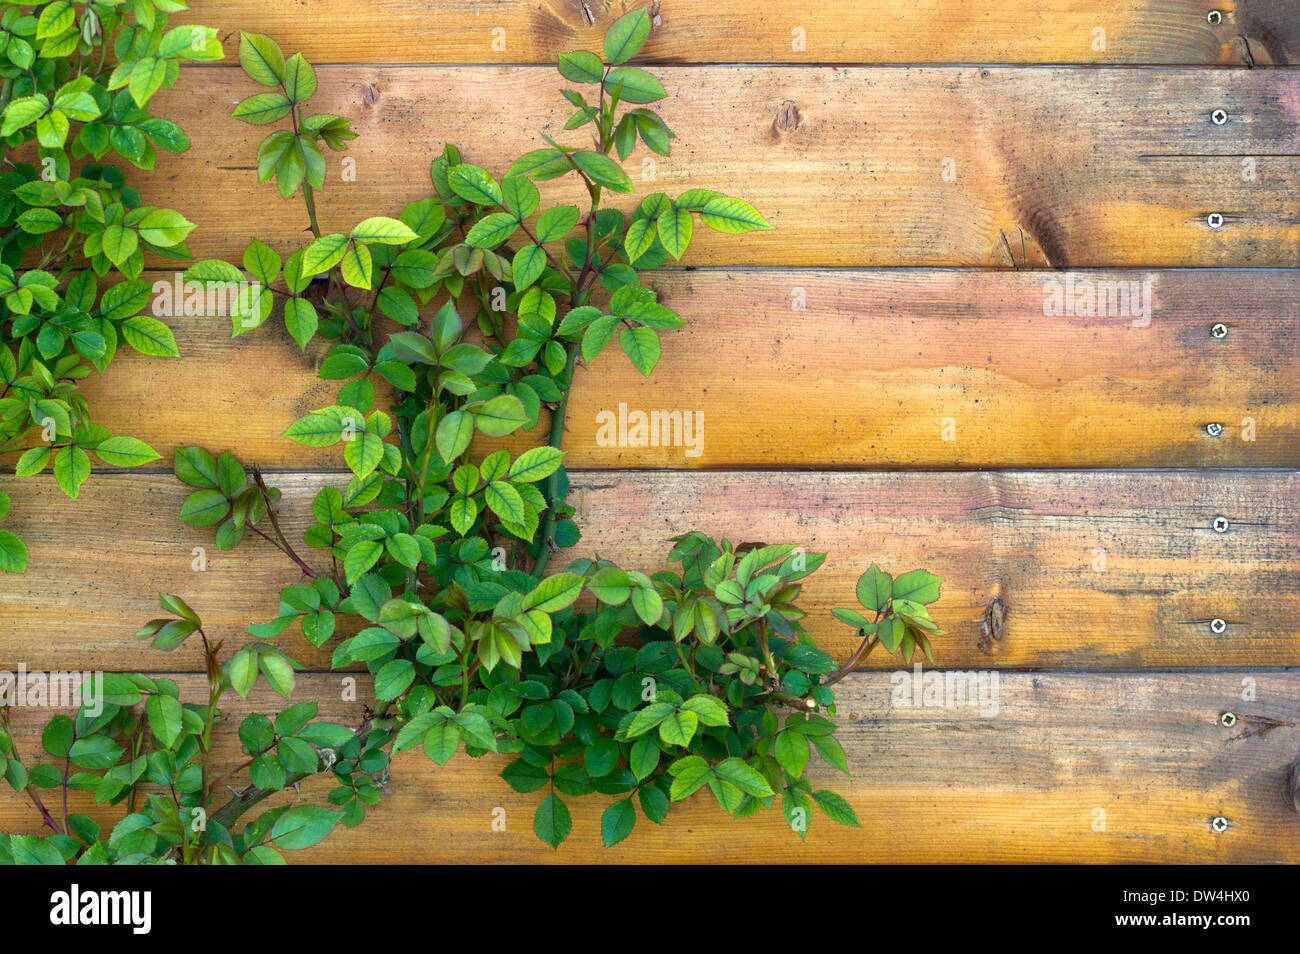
(432, 569)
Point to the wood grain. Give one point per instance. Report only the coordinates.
(1090, 570)
(1071, 768)
(1049, 166)
(1252, 32)
(878, 369)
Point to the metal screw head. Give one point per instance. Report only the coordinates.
(1219, 823)
(1214, 220)
(1214, 428)
(1218, 330)
(1220, 524)
(1217, 627)
(1214, 17)
(1228, 720)
(1218, 117)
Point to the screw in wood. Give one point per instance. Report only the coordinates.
(1218, 117)
(1214, 17)
(1228, 720)
(1220, 525)
(1218, 330)
(1217, 627)
(1214, 220)
(1214, 429)
(1219, 823)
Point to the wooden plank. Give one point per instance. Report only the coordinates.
(1049, 166)
(1044, 569)
(1072, 767)
(1252, 32)
(941, 370)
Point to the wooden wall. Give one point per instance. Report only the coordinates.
(878, 378)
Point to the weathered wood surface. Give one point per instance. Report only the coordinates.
(1070, 767)
(1178, 32)
(1094, 570)
(879, 369)
(1051, 167)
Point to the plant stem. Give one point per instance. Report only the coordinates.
(553, 481)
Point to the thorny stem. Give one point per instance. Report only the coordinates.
(869, 642)
(46, 817)
(280, 541)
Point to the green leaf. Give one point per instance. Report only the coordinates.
(263, 108)
(23, 112)
(491, 230)
(262, 262)
(303, 826)
(555, 592)
(500, 416)
(581, 66)
(13, 553)
(917, 586)
(441, 742)
(356, 266)
(626, 36)
(125, 452)
(454, 435)
(165, 716)
(316, 430)
(474, 184)
(71, 468)
(711, 710)
(150, 336)
(360, 558)
(165, 227)
(394, 678)
(119, 244)
(746, 778)
(602, 170)
(147, 77)
(675, 227)
(552, 821)
(644, 758)
(617, 822)
(261, 59)
(528, 265)
(556, 223)
(836, 808)
(383, 231)
(875, 587)
(638, 86)
(641, 345)
(299, 79)
(301, 319)
(679, 728)
(535, 463)
(324, 253)
(58, 18)
(504, 501)
(196, 467)
(792, 751)
(724, 214)
(204, 507)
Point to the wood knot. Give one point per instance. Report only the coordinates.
(370, 94)
(993, 624)
(787, 119)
